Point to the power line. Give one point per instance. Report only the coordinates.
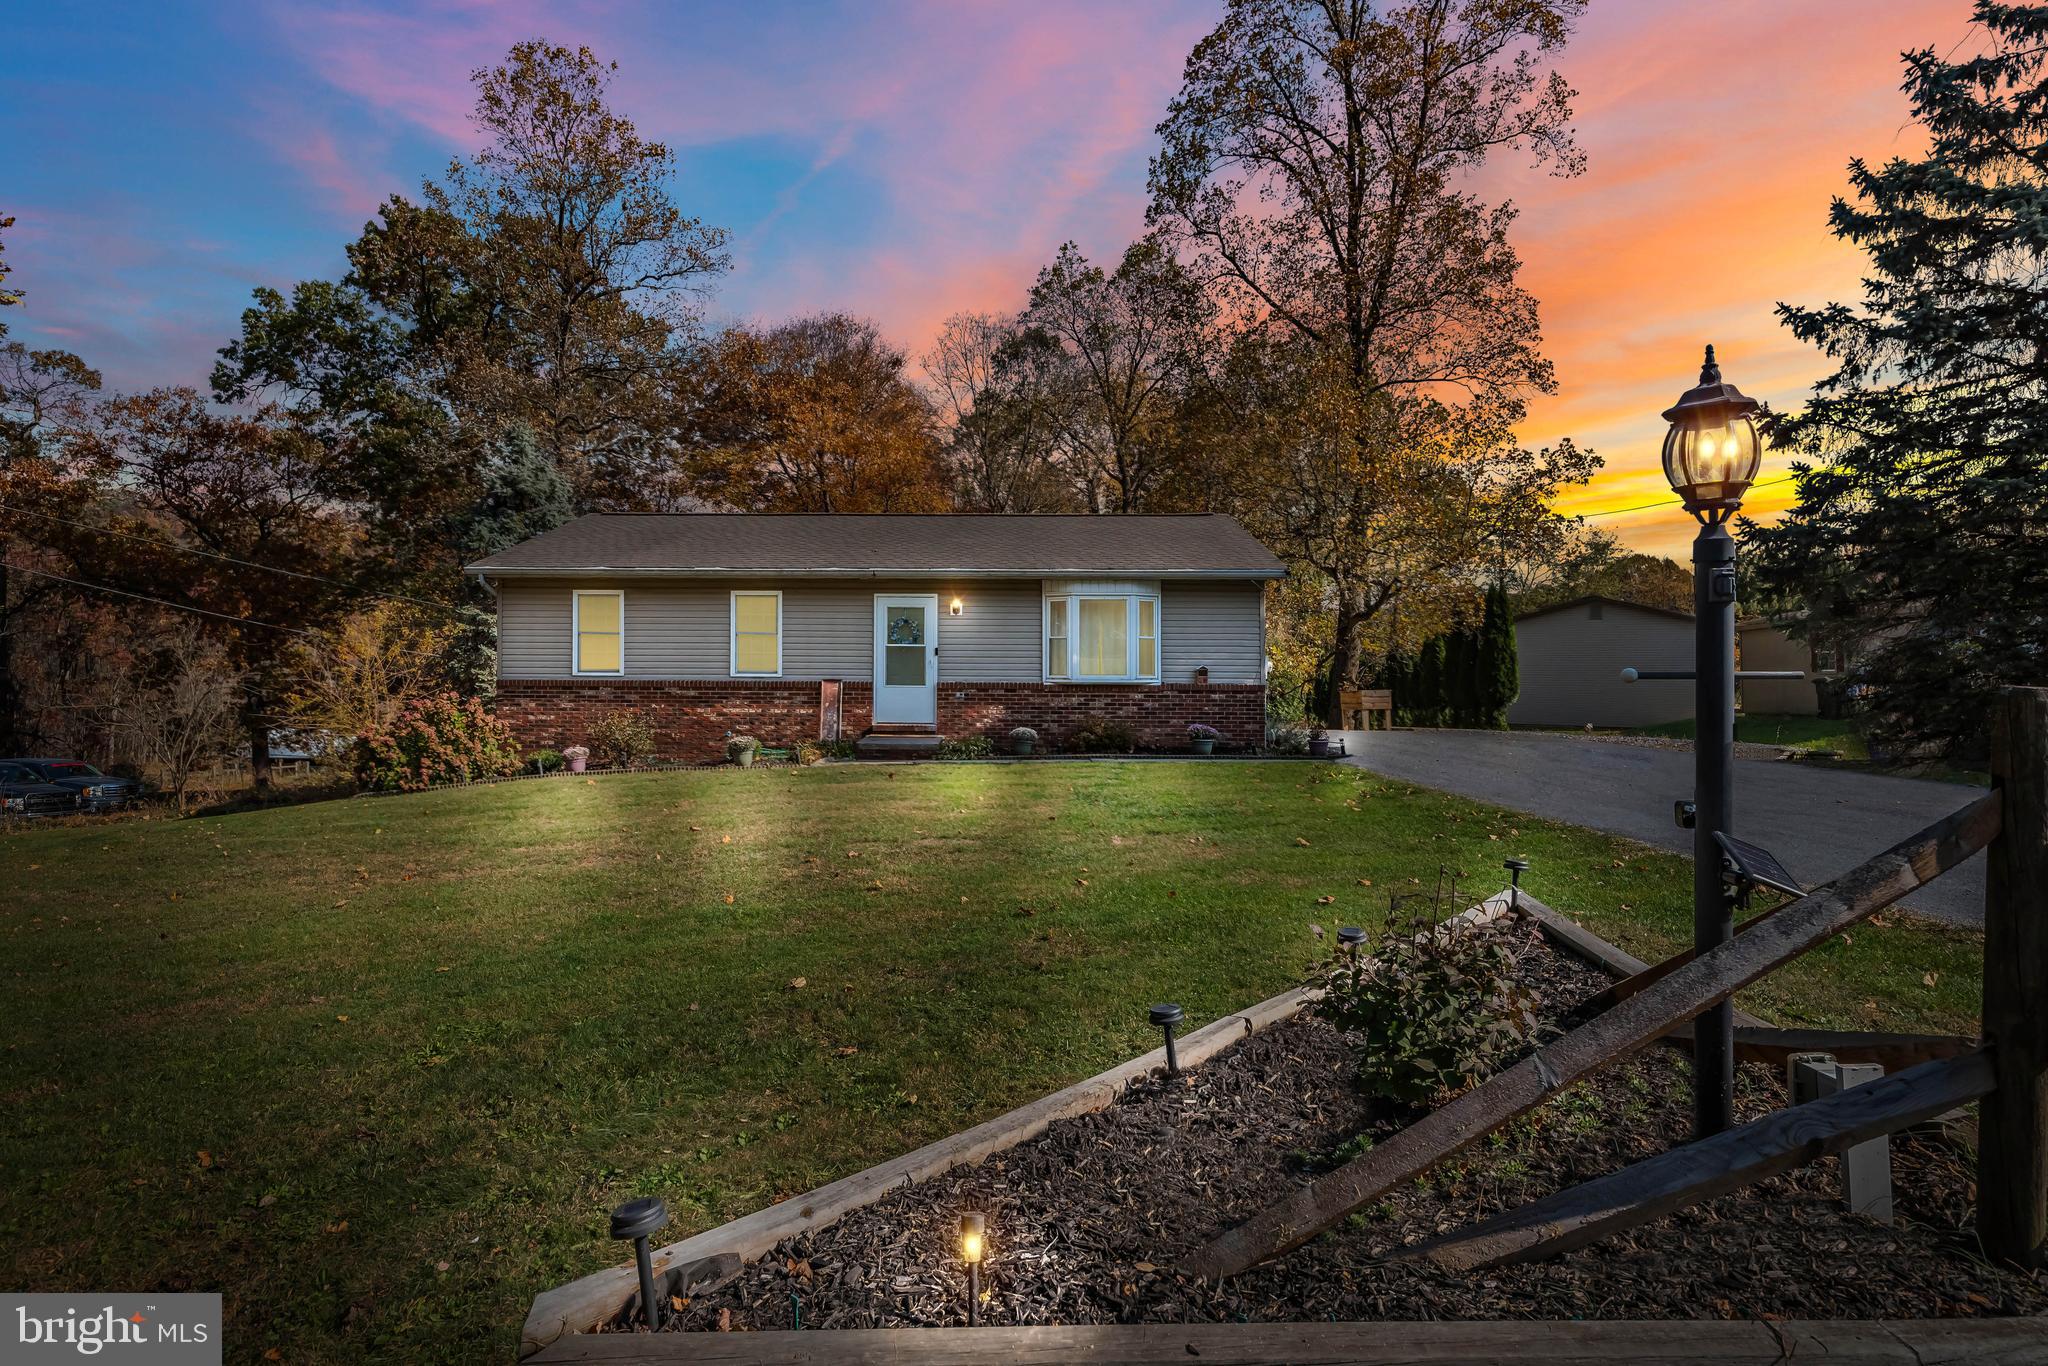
(160, 602)
(162, 544)
(1666, 502)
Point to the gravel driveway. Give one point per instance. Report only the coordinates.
(1820, 822)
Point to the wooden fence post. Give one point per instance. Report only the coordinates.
(2012, 1154)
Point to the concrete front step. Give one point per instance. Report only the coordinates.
(897, 745)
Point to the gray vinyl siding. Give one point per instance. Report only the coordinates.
(1221, 625)
(679, 628)
(1571, 663)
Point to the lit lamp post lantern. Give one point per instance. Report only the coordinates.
(1711, 456)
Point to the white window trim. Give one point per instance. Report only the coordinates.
(576, 668)
(1130, 600)
(732, 631)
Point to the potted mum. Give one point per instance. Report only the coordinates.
(576, 756)
(740, 749)
(1318, 743)
(1023, 740)
(1204, 737)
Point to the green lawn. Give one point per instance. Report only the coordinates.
(377, 1068)
(1792, 732)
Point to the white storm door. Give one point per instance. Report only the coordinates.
(906, 658)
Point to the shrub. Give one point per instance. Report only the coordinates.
(1102, 737)
(438, 739)
(621, 739)
(1291, 738)
(967, 747)
(1433, 1007)
(545, 760)
(1200, 731)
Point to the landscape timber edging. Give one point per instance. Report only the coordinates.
(1622, 1342)
(582, 1305)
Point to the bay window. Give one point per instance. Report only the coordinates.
(1102, 633)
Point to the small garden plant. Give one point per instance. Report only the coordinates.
(545, 760)
(1203, 737)
(622, 739)
(741, 748)
(1434, 1008)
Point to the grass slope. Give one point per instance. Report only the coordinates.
(376, 1069)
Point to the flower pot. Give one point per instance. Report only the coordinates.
(1022, 746)
(576, 764)
(1204, 746)
(744, 758)
(1319, 749)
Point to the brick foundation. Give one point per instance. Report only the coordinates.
(692, 717)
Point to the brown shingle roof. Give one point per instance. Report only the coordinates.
(1204, 545)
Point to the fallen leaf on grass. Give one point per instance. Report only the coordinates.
(725, 839)
(728, 898)
(1365, 882)
(1325, 900)
(1930, 979)
(847, 1051)
(440, 1266)
(205, 1158)
(1300, 841)
(797, 984)
(342, 1018)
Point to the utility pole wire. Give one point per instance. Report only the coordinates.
(160, 602)
(161, 544)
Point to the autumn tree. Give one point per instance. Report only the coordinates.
(815, 415)
(1313, 173)
(1596, 564)
(999, 400)
(1920, 534)
(225, 513)
(550, 282)
(45, 400)
(1125, 348)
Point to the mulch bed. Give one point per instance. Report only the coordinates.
(1086, 1221)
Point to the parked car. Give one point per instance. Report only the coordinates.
(96, 791)
(22, 793)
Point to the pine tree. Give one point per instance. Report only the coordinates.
(1428, 685)
(1920, 537)
(1500, 678)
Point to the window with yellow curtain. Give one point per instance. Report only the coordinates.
(757, 633)
(1104, 647)
(1148, 638)
(600, 628)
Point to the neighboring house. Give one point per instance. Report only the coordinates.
(799, 627)
(1572, 655)
(1765, 644)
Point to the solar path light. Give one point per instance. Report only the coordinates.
(1165, 1017)
(1516, 867)
(636, 1219)
(973, 1232)
(1348, 939)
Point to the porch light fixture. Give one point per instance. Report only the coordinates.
(1712, 451)
(973, 1232)
(956, 607)
(637, 1219)
(1165, 1017)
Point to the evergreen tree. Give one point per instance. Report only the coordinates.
(523, 495)
(1428, 686)
(1461, 678)
(1921, 531)
(1500, 677)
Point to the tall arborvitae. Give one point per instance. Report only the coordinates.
(1920, 538)
(1500, 671)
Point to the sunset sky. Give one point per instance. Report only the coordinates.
(908, 161)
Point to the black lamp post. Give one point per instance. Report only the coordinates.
(1711, 456)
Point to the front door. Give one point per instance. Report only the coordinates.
(906, 659)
